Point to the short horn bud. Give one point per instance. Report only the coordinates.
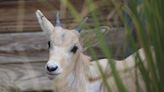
(79, 27)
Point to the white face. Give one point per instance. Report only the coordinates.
(63, 46)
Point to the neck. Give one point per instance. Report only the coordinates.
(75, 79)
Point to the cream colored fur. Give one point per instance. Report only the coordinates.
(80, 74)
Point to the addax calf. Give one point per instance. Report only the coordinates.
(72, 71)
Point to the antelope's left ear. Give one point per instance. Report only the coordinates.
(45, 24)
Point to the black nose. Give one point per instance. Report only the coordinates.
(52, 68)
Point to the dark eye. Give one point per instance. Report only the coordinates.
(74, 49)
(49, 44)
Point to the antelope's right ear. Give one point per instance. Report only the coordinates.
(45, 24)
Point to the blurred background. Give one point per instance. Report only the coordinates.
(23, 45)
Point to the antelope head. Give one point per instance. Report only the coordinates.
(63, 44)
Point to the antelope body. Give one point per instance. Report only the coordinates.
(71, 70)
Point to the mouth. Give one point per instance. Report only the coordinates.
(51, 76)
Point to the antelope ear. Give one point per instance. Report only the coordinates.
(45, 24)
